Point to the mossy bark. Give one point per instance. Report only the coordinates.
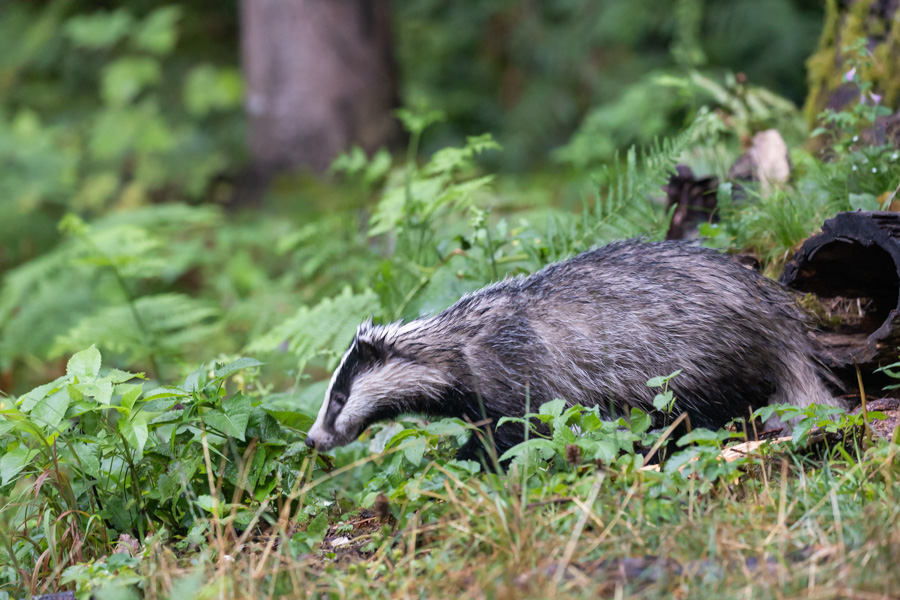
(845, 22)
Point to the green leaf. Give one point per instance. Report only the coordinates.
(553, 408)
(290, 418)
(605, 450)
(232, 367)
(662, 402)
(206, 502)
(208, 89)
(158, 32)
(706, 436)
(14, 461)
(640, 421)
(663, 379)
(544, 448)
(232, 419)
(764, 413)
(414, 450)
(801, 430)
(680, 459)
(127, 77)
(85, 364)
(87, 458)
(134, 430)
(30, 400)
(100, 29)
(315, 531)
(130, 393)
(101, 392)
(50, 411)
(864, 202)
(563, 435)
(447, 427)
(164, 393)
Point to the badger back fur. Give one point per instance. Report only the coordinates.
(590, 330)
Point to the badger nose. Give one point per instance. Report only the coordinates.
(310, 441)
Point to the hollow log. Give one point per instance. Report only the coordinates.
(853, 267)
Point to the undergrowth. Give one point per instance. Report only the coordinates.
(137, 473)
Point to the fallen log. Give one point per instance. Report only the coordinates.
(853, 268)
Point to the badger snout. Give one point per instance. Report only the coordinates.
(320, 440)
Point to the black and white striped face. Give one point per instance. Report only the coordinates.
(374, 382)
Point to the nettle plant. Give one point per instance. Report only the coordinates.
(93, 454)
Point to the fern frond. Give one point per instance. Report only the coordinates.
(326, 328)
(629, 206)
(164, 323)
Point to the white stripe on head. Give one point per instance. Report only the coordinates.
(318, 428)
(392, 382)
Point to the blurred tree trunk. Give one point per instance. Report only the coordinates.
(320, 78)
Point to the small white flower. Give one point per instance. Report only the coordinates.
(854, 167)
(895, 155)
(855, 138)
(874, 170)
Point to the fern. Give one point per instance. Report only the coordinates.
(95, 277)
(628, 207)
(163, 323)
(415, 199)
(325, 329)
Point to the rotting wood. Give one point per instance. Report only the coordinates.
(854, 264)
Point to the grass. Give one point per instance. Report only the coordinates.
(783, 526)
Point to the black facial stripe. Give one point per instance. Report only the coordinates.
(361, 357)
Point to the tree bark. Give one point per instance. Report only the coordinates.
(845, 22)
(320, 78)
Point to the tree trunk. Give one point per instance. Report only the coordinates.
(845, 22)
(320, 78)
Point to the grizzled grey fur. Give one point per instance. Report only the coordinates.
(591, 330)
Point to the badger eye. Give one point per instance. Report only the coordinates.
(339, 398)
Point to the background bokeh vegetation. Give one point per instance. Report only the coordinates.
(134, 236)
(130, 118)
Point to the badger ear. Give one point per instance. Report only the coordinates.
(370, 352)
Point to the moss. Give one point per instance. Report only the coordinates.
(826, 68)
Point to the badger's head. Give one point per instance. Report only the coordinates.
(376, 380)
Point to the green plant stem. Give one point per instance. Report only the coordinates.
(490, 246)
(862, 396)
(134, 484)
(132, 305)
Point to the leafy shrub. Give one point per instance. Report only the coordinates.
(93, 454)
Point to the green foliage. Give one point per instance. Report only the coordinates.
(326, 328)
(828, 418)
(106, 275)
(533, 74)
(110, 121)
(597, 440)
(852, 171)
(665, 400)
(95, 444)
(119, 127)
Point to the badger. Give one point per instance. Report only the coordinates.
(590, 330)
